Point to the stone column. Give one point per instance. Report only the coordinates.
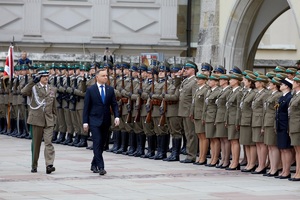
(100, 16)
(32, 18)
(168, 21)
(208, 44)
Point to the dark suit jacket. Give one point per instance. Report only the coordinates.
(95, 112)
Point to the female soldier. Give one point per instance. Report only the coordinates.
(196, 114)
(221, 131)
(283, 138)
(257, 119)
(232, 121)
(268, 130)
(245, 116)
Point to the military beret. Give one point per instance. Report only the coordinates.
(297, 78)
(287, 82)
(247, 72)
(125, 65)
(236, 76)
(279, 69)
(206, 67)
(62, 66)
(175, 68)
(291, 71)
(215, 77)
(235, 70)
(43, 70)
(1, 69)
(70, 66)
(298, 73)
(77, 66)
(24, 67)
(258, 73)
(190, 64)
(53, 66)
(276, 80)
(250, 77)
(281, 75)
(271, 74)
(220, 68)
(224, 76)
(262, 78)
(201, 76)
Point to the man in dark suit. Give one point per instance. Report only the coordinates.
(99, 98)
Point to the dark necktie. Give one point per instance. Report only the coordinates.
(45, 89)
(102, 93)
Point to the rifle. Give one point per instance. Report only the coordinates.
(129, 116)
(73, 97)
(149, 114)
(115, 77)
(108, 77)
(162, 120)
(139, 100)
(67, 96)
(59, 97)
(25, 97)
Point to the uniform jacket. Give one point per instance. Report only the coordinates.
(221, 104)
(258, 108)
(198, 102)
(44, 116)
(186, 92)
(294, 114)
(245, 111)
(233, 106)
(172, 97)
(269, 109)
(210, 106)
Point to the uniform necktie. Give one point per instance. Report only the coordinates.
(45, 88)
(102, 93)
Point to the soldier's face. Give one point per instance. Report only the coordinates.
(161, 74)
(295, 85)
(206, 72)
(283, 87)
(44, 79)
(102, 77)
(290, 76)
(201, 81)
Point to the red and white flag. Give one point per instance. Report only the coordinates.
(9, 63)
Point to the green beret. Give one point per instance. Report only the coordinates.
(281, 75)
(291, 71)
(215, 77)
(250, 77)
(297, 78)
(271, 74)
(262, 78)
(53, 66)
(279, 69)
(247, 72)
(236, 76)
(201, 76)
(1, 69)
(257, 73)
(70, 66)
(276, 81)
(224, 76)
(34, 66)
(190, 64)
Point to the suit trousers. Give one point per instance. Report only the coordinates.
(38, 133)
(191, 138)
(99, 134)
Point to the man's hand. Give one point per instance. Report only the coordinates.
(117, 121)
(85, 128)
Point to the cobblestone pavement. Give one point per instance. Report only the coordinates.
(126, 178)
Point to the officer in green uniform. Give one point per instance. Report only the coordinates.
(14, 103)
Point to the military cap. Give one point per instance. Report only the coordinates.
(281, 75)
(17, 68)
(224, 76)
(246, 72)
(125, 65)
(220, 68)
(70, 66)
(271, 74)
(262, 78)
(250, 77)
(201, 76)
(62, 66)
(53, 66)
(236, 76)
(43, 70)
(298, 62)
(34, 66)
(134, 67)
(152, 70)
(276, 80)
(77, 66)
(215, 77)
(287, 82)
(206, 67)
(1, 69)
(164, 67)
(298, 73)
(291, 71)
(108, 64)
(235, 70)
(24, 67)
(190, 64)
(83, 67)
(258, 73)
(297, 78)
(143, 67)
(175, 68)
(117, 65)
(279, 69)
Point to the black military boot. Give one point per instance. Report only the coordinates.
(183, 149)
(69, 139)
(3, 122)
(151, 146)
(54, 136)
(116, 139)
(164, 146)
(21, 129)
(24, 131)
(61, 138)
(158, 149)
(138, 145)
(124, 144)
(132, 142)
(142, 139)
(83, 141)
(76, 140)
(12, 129)
(176, 144)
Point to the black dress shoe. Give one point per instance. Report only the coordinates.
(238, 167)
(275, 174)
(94, 169)
(50, 169)
(294, 179)
(219, 166)
(263, 171)
(224, 167)
(248, 170)
(266, 174)
(187, 161)
(102, 171)
(34, 170)
(285, 177)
